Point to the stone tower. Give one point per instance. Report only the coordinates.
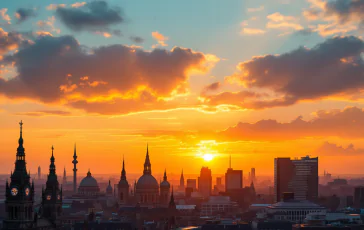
(123, 187)
(52, 196)
(19, 193)
(164, 190)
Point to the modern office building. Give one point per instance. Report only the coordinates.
(205, 182)
(192, 183)
(299, 176)
(233, 178)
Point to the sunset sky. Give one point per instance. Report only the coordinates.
(196, 79)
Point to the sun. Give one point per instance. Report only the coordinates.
(208, 157)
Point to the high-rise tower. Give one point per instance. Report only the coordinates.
(74, 162)
(20, 193)
(52, 196)
(39, 173)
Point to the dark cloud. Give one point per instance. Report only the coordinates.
(333, 123)
(137, 39)
(346, 10)
(212, 87)
(23, 14)
(9, 41)
(93, 16)
(329, 149)
(334, 67)
(108, 79)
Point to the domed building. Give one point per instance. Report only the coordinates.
(147, 188)
(109, 189)
(89, 186)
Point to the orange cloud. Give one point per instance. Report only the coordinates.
(78, 4)
(260, 8)
(252, 31)
(4, 15)
(55, 6)
(161, 39)
(110, 79)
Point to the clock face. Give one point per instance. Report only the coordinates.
(49, 197)
(27, 191)
(58, 197)
(14, 191)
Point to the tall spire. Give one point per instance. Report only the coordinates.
(20, 151)
(182, 181)
(165, 175)
(123, 172)
(172, 204)
(147, 165)
(74, 162)
(52, 167)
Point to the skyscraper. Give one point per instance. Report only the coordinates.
(299, 176)
(19, 193)
(192, 183)
(252, 175)
(39, 173)
(205, 182)
(233, 178)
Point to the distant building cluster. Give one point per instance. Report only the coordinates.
(293, 202)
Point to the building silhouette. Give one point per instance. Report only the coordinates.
(182, 182)
(299, 176)
(164, 190)
(39, 173)
(252, 175)
(19, 193)
(64, 181)
(74, 162)
(192, 183)
(233, 178)
(123, 187)
(51, 208)
(205, 182)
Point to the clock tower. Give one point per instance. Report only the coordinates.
(52, 197)
(19, 193)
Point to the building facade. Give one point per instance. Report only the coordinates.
(19, 193)
(205, 182)
(233, 179)
(299, 176)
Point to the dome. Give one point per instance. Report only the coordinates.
(165, 184)
(109, 188)
(147, 181)
(89, 181)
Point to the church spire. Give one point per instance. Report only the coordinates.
(20, 151)
(165, 175)
(172, 204)
(147, 165)
(123, 172)
(52, 167)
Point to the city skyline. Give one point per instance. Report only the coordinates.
(253, 79)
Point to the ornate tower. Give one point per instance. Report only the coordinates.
(123, 187)
(52, 196)
(20, 193)
(64, 176)
(182, 182)
(74, 162)
(147, 165)
(164, 190)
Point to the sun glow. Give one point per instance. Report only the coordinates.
(208, 157)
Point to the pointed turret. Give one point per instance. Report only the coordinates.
(172, 204)
(64, 176)
(147, 165)
(123, 172)
(182, 181)
(165, 175)
(109, 189)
